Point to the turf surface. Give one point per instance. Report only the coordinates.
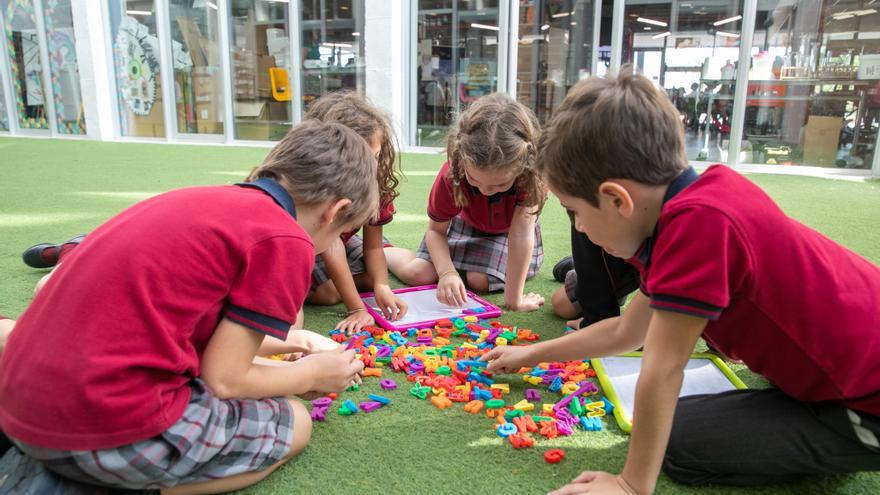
(51, 190)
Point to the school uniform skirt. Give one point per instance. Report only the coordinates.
(472, 250)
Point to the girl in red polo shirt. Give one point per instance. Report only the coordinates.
(483, 209)
(353, 263)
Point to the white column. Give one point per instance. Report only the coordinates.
(95, 69)
(616, 35)
(742, 81)
(512, 48)
(6, 83)
(48, 90)
(384, 49)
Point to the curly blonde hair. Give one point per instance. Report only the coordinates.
(496, 133)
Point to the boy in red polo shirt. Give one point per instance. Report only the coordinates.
(136, 371)
(718, 259)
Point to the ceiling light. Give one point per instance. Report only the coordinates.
(485, 26)
(212, 5)
(545, 27)
(355, 33)
(726, 34)
(651, 21)
(138, 12)
(661, 35)
(561, 14)
(729, 19)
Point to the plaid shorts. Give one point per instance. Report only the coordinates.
(354, 253)
(213, 439)
(475, 251)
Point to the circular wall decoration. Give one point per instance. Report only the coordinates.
(136, 66)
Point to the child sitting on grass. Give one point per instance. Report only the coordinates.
(133, 367)
(717, 259)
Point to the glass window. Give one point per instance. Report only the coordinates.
(813, 84)
(555, 51)
(4, 122)
(690, 49)
(136, 60)
(195, 57)
(259, 34)
(26, 63)
(456, 62)
(61, 42)
(332, 48)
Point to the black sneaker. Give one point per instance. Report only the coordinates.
(46, 255)
(562, 267)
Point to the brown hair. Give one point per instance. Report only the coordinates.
(618, 127)
(318, 161)
(496, 133)
(356, 112)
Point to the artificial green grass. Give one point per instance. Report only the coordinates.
(51, 190)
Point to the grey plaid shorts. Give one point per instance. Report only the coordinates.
(213, 439)
(354, 253)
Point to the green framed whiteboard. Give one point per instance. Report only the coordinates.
(703, 374)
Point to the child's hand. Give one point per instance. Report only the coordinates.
(315, 342)
(451, 291)
(508, 359)
(355, 322)
(334, 371)
(528, 302)
(392, 306)
(596, 482)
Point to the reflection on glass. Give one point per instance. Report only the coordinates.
(332, 48)
(456, 62)
(136, 61)
(555, 51)
(61, 42)
(25, 63)
(260, 47)
(690, 49)
(813, 83)
(195, 57)
(4, 122)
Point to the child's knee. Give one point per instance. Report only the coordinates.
(478, 281)
(418, 272)
(41, 283)
(302, 428)
(562, 305)
(325, 294)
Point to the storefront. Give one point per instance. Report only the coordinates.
(758, 83)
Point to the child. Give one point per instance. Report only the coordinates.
(135, 371)
(484, 201)
(595, 284)
(719, 259)
(353, 264)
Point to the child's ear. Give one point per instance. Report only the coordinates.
(334, 210)
(618, 197)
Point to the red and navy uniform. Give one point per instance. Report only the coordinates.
(795, 306)
(105, 353)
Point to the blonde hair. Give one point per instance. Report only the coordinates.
(317, 162)
(496, 133)
(356, 112)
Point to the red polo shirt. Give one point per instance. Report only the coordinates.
(489, 214)
(103, 355)
(795, 306)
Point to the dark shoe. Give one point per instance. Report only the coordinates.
(46, 255)
(561, 268)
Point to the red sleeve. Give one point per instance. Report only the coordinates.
(698, 262)
(441, 202)
(386, 214)
(271, 285)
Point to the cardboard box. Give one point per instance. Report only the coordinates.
(821, 137)
(264, 83)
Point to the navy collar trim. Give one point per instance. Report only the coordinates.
(686, 178)
(275, 191)
(497, 197)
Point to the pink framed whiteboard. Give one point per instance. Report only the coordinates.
(424, 308)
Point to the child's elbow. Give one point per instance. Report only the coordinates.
(221, 385)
